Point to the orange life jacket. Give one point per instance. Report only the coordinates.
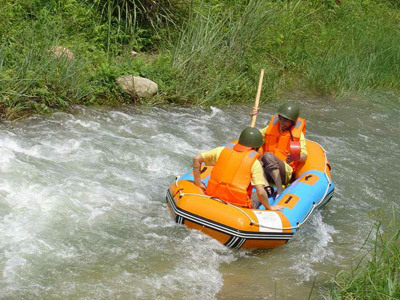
(278, 142)
(230, 178)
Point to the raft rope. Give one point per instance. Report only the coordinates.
(252, 222)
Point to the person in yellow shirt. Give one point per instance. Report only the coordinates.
(284, 129)
(236, 170)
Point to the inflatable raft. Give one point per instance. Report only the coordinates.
(238, 227)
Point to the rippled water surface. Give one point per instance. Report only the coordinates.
(83, 212)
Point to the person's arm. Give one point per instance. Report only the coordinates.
(209, 158)
(263, 198)
(303, 156)
(303, 149)
(197, 161)
(259, 181)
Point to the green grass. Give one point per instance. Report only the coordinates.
(360, 49)
(377, 274)
(31, 72)
(216, 54)
(124, 20)
(311, 45)
(198, 52)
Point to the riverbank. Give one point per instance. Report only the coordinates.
(375, 274)
(199, 53)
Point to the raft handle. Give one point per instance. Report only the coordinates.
(177, 193)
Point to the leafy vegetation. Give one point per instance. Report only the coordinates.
(376, 276)
(198, 52)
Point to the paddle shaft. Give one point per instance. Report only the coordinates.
(257, 101)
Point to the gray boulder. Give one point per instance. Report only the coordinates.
(137, 86)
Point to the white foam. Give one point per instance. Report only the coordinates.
(65, 147)
(120, 116)
(214, 112)
(6, 155)
(316, 248)
(14, 146)
(96, 212)
(86, 124)
(12, 265)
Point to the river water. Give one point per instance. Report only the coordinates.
(83, 212)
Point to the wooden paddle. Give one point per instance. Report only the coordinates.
(253, 118)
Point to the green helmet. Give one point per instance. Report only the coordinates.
(251, 137)
(289, 111)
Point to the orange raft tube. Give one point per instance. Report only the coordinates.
(238, 227)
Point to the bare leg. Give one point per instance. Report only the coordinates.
(273, 170)
(276, 177)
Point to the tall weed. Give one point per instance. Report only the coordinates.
(203, 52)
(215, 54)
(358, 50)
(377, 275)
(136, 22)
(33, 77)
